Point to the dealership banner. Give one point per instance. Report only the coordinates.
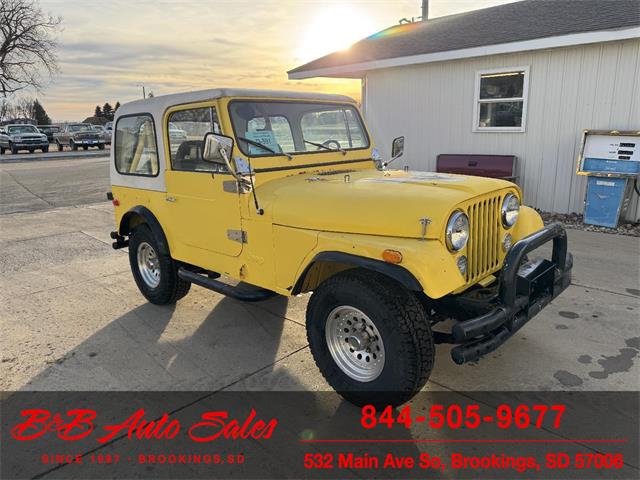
(98, 435)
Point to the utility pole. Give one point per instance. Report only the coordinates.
(425, 10)
(144, 94)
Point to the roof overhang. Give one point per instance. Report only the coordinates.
(357, 70)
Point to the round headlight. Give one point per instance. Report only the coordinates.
(457, 232)
(510, 210)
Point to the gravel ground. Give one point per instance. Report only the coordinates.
(575, 220)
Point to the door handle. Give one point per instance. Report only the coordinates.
(170, 199)
(473, 163)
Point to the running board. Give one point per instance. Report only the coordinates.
(245, 294)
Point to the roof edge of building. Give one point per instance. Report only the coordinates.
(355, 70)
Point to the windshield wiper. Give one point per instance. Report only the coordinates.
(264, 147)
(325, 147)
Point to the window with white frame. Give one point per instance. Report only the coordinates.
(501, 100)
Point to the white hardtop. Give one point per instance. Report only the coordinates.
(157, 105)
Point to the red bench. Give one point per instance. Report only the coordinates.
(493, 166)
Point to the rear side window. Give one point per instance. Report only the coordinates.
(135, 151)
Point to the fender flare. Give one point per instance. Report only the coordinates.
(151, 221)
(396, 272)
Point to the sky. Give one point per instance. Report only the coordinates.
(109, 48)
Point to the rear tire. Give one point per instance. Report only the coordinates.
(73, 146)
(60, 146)
(1, 150)
(101, 146)
(14, 150)
(155, 274)
(31, 150)
(395, 326)
(45, 149)
(85, 147)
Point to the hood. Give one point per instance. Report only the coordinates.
(371, 202)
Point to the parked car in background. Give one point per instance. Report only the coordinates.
(49, 130)
(177, 136)
(109, 126)
(76, 135)
(22, 137)
(104, 133)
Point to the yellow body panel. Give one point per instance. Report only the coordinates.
(317, 203)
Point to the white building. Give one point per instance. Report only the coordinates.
(520, 79)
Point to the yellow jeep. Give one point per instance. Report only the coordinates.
(283, 193)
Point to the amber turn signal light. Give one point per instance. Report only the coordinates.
(392, 256)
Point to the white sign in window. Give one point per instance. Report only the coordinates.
(501, 100)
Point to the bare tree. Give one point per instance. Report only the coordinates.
(24, 107)
(27, 45)
(4, 109)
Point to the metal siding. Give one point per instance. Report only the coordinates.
(570, 89)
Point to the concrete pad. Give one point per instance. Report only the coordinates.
(560, 349)
(21, 226)
(83, 337)
(609, 262)
(31, 186)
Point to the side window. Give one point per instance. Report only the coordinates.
(136, 152)
(501, 100)
(277, 126)
(186, 130)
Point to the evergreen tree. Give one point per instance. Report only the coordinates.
(39, 114)
(97, 112)
(107, 111)
(115, 109)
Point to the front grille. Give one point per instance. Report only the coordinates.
(484, 252)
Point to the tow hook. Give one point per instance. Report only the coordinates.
(120, 241)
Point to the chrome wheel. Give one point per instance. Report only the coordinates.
(355, 343)
(148, 265)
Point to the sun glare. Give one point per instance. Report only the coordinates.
(334, 28)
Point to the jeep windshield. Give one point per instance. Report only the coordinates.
(292, 127)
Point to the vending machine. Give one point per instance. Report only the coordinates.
(611, 160)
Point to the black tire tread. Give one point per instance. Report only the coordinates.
(172, 288)
(406, 310)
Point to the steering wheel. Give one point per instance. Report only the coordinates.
(332, 144)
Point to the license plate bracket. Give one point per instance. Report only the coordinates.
(535, 279)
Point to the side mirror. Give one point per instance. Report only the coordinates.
(397, 148)
(217, 148)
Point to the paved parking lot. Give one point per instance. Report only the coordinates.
(72, 318)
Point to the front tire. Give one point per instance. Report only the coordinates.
(60, 146)
(370, 337)
(14, 149)
(155, 274)
(73, 146)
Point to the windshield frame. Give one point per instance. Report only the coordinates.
(241, 145)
